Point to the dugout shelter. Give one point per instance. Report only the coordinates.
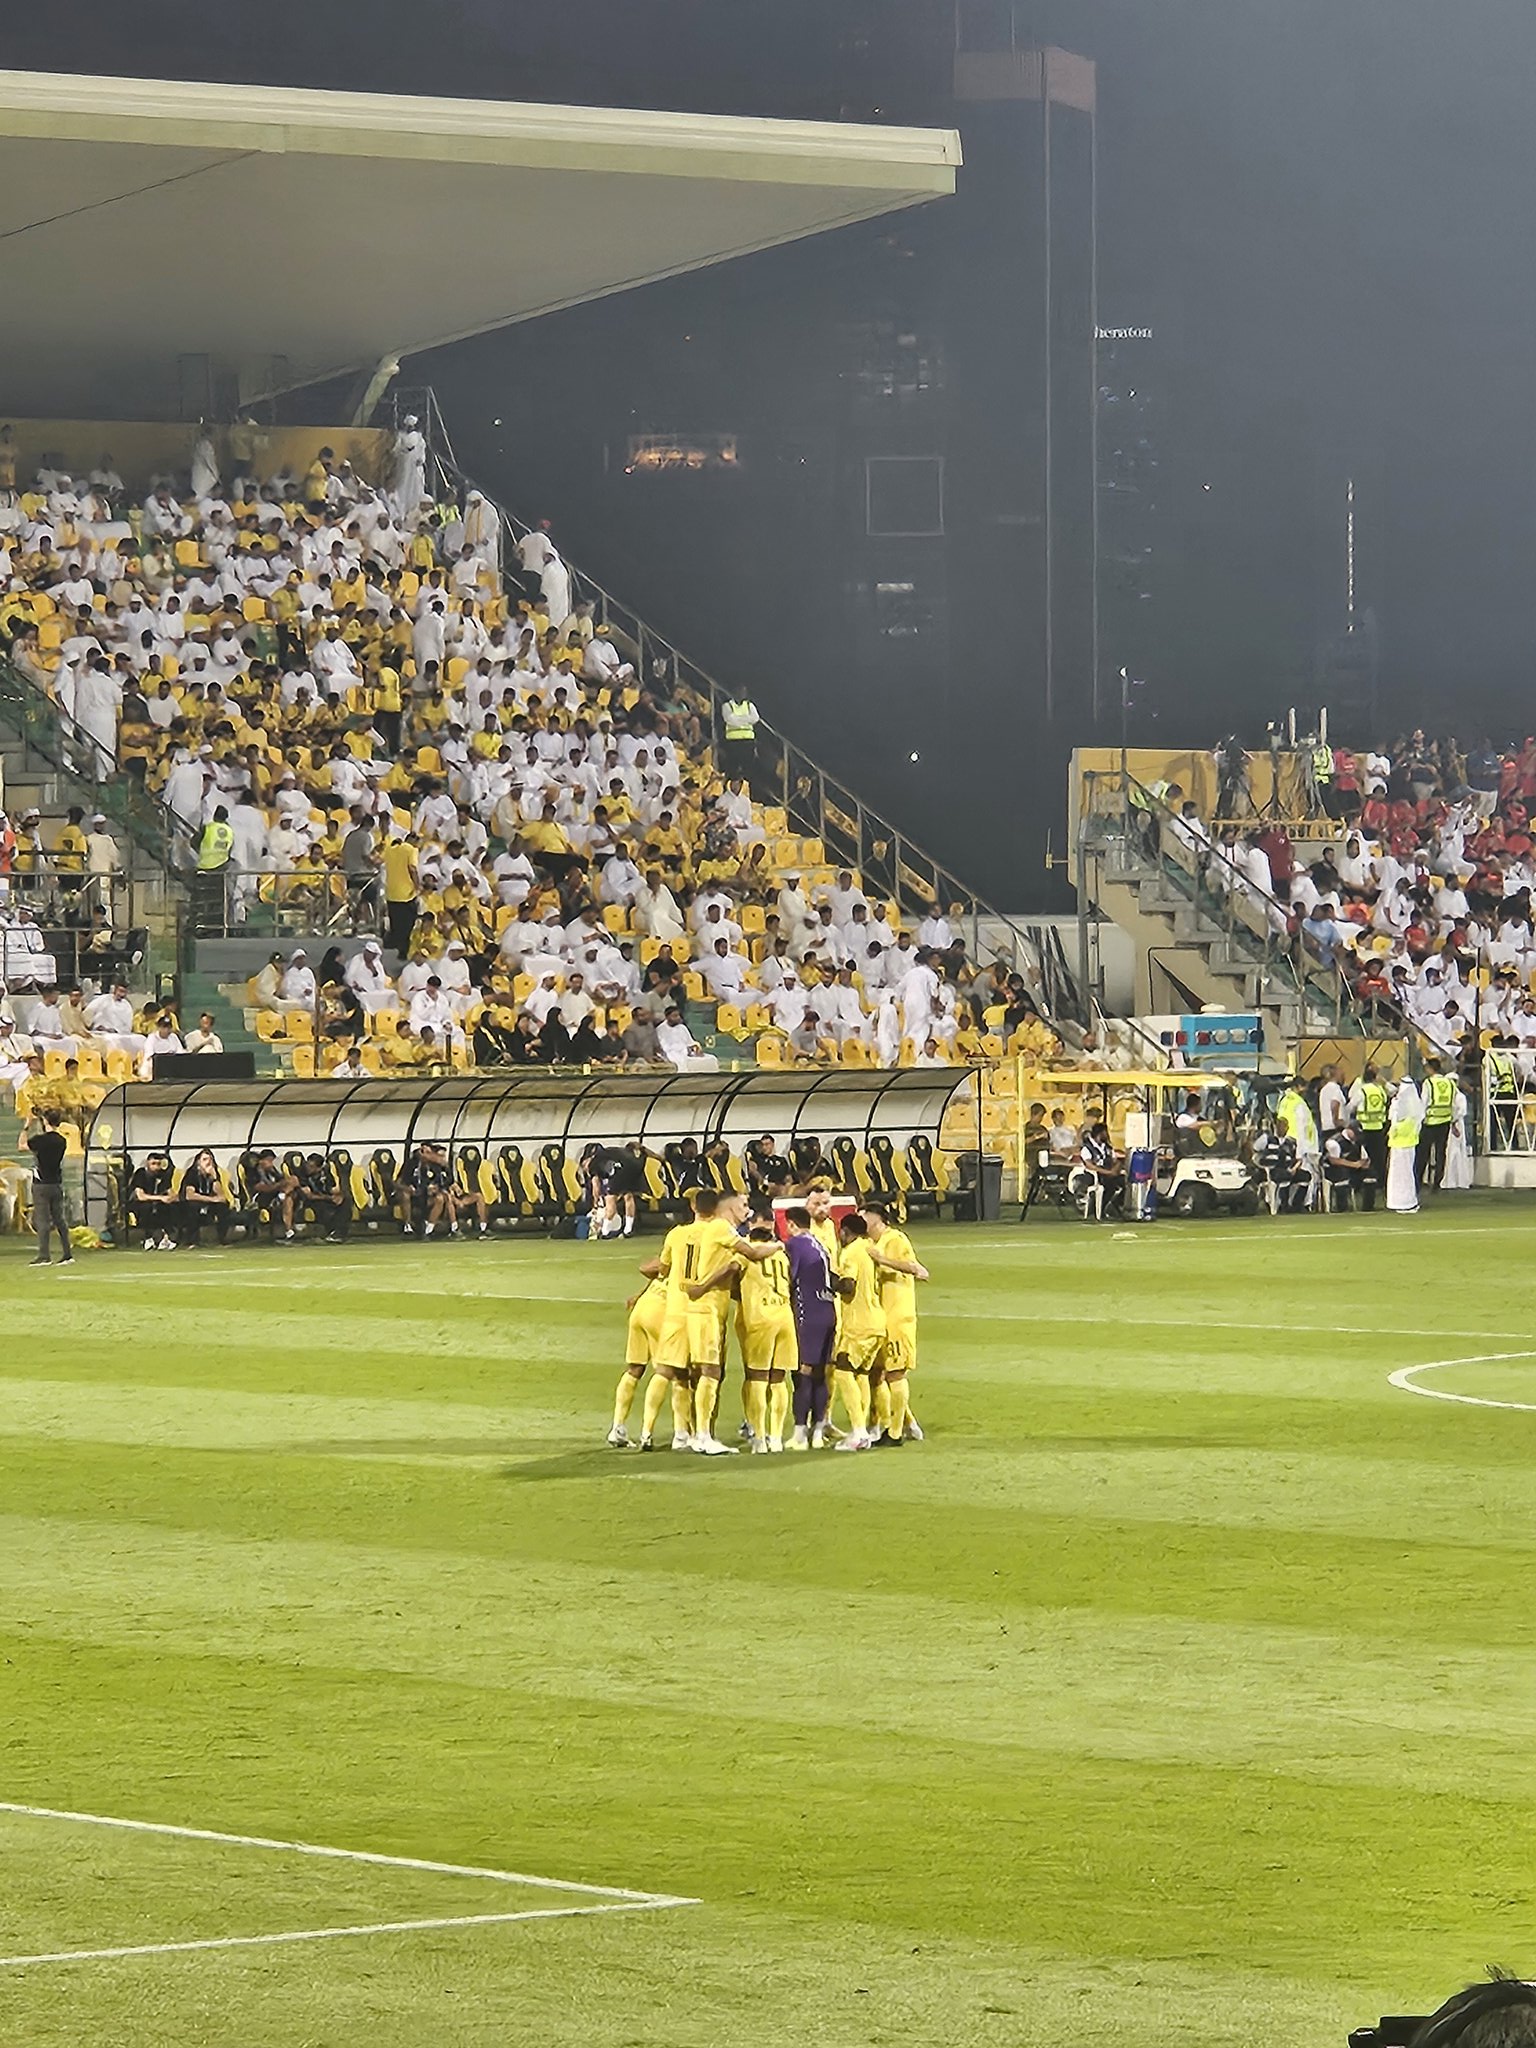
(862, 1116)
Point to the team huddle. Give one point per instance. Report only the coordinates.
(831, 1309)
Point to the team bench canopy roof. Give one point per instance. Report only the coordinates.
(293, 235)
(524, 1109)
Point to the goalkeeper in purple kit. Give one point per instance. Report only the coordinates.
(815, 1311)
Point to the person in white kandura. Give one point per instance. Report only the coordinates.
(1402, 1147)
(410, 473)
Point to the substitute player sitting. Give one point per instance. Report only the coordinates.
(769, 1351)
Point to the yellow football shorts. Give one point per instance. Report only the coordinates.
(859, 1353)
(647, 1320)
(706, 1338)
(901, 1350)
(771, 1346)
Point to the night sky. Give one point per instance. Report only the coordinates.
(1325, 209)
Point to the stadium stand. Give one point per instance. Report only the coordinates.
(347, 714)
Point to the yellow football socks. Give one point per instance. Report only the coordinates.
(624, 1398)
(655, 1394)
(682, 1408)
(778, 1408)
(754, 1400)
(706, 1397)
(855, 1396)
(896, 1421)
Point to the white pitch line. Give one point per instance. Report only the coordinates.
(155, 1827)
(171, 1948)
(1405, 1378)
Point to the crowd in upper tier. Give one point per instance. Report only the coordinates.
(362, 717)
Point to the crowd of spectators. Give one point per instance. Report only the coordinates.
(1420, 899)
(362, 720)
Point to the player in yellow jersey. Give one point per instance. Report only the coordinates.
(770, 1353)
(716, 1236)
(647, 1316)
(861, 1329)
(898, 1271)
(671, 1370)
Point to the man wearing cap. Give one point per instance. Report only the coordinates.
(368, 980)
(296, 990)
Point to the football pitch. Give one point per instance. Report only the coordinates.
(1181, 1686)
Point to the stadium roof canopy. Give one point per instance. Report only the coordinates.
(295, 235)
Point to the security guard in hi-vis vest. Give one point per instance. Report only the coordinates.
(738, 733)
(1370, 1103)
(1439, 1094)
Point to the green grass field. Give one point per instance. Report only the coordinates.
(1180, 1687)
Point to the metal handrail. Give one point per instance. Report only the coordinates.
(34, 717)
(812, 798)
(1273, 948)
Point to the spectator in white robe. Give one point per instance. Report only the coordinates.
(111, 1020)
(677, 1045)
(555, 583)
(164, 1039)
(205, 466)
(409, 472)
(369, 981)
(296, 990)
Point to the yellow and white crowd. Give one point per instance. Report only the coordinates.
(365, 709)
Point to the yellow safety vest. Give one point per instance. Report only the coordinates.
(1322, 764)
(1373, 1106)
(1403, 1137)
(215, 846)
(1501, 1074)
(740, 719)
(1439, 1099)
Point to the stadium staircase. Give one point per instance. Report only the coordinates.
(1206, 930)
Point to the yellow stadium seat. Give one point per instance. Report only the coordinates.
(750, 916)
(771, 1049)
(189, 554)
(855, 1053)
(774, 822)
(303, 1057)
(253, 609)
(728, 1019)
(649, 948)
(121, 1066)
(693, 986)
(54, 1063)
(384, 1023)
(758, 1017)
(523, 986)
(269, 1025)
(616, 917)
(92, 1067)
(301, 1025)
